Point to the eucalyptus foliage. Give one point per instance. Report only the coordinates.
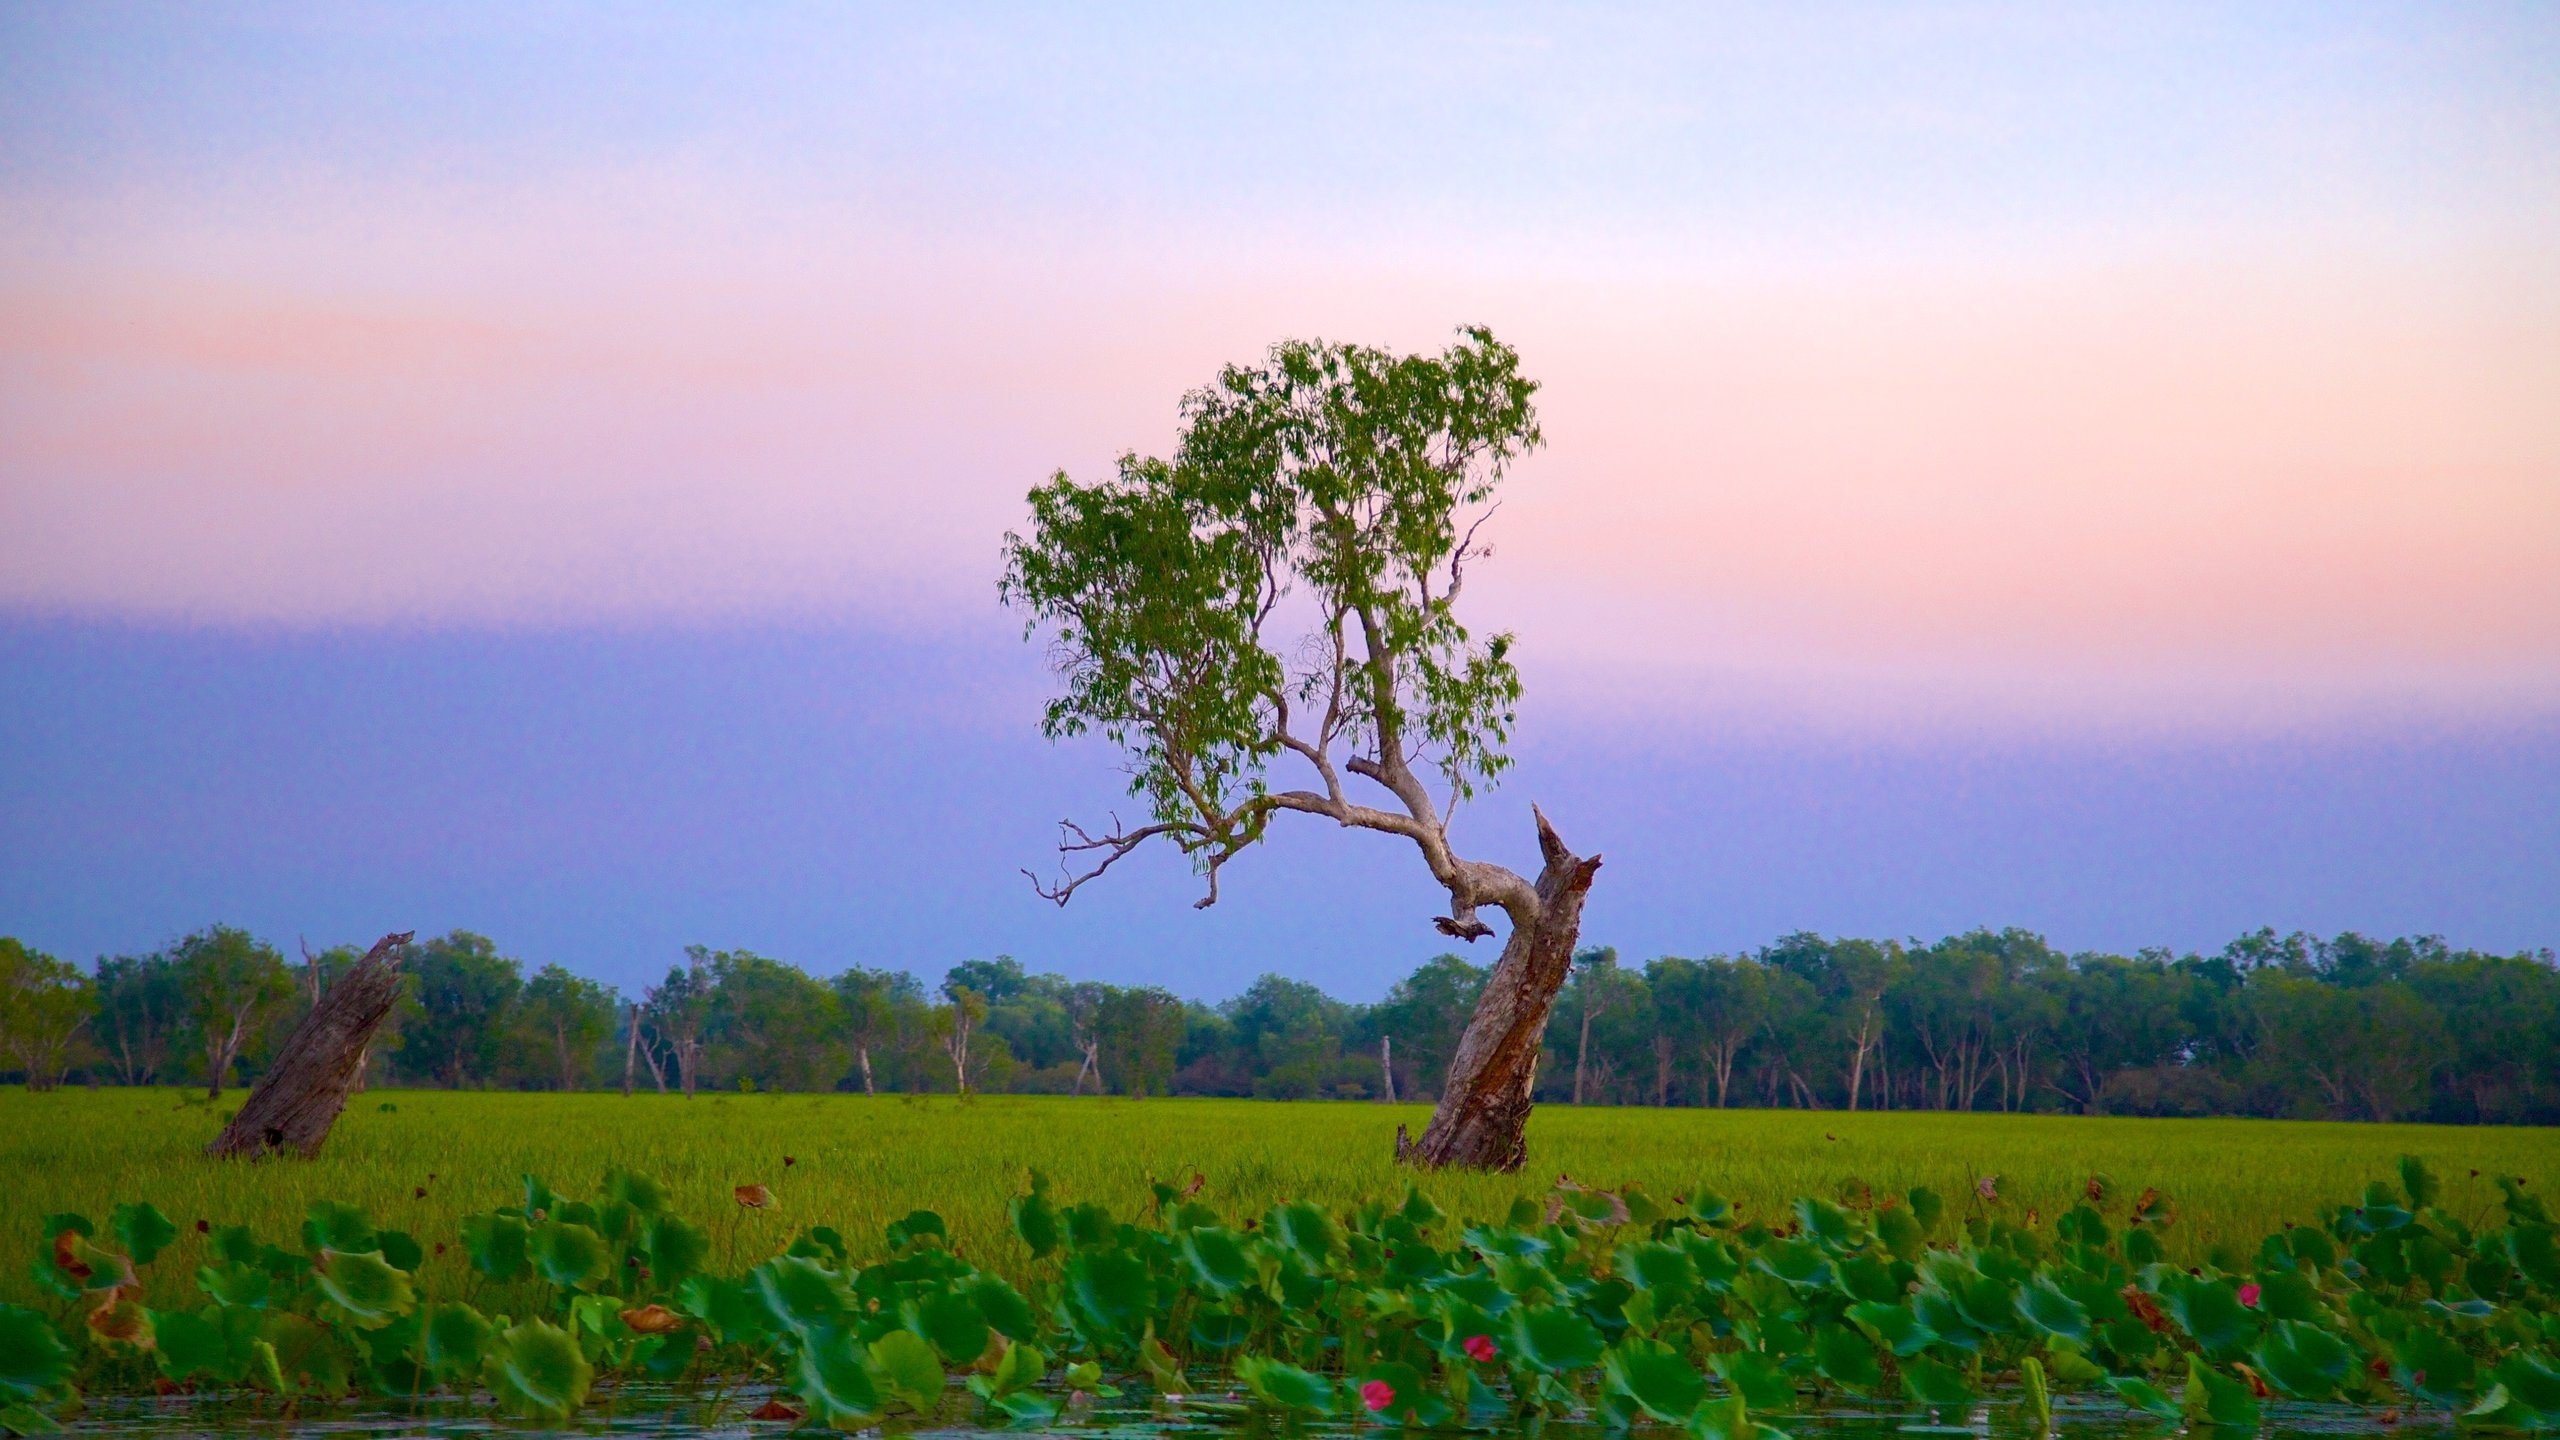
(1286, 582)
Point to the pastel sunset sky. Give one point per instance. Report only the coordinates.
(540, 469)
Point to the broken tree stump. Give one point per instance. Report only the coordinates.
(298, 1101)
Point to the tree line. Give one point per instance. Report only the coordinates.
(2280, 1026)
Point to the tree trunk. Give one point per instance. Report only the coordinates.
(1387, 1065)
(864, 1051)
(1482, 1120)
(631, 1055)
(294, 1107)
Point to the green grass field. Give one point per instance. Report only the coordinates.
(863, 1162)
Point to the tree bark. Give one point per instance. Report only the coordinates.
(1387, 1066)
(1482, 1120)
(631, 1055)
(298, 1101)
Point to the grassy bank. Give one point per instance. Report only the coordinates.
(859, 1163)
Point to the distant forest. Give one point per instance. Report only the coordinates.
(2287, 1026)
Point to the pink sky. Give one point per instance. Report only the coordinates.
(2236, 444)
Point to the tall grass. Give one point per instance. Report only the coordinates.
(858, 1163)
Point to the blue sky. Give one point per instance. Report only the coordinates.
(540, 469)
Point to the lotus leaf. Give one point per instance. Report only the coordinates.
(496, 1244)
(33, 1360)
(907, 1370)
(2042, 1304)
(144, 1231)
(2214, 1398)
(1756, 1378)
(329, 1225)
(1894, 1327)
(306, 1358)
(1285, 1385)
(1554, 1339)
(537, 1370)
(365, 1287)
(1933, 1383)
(1217, 1258)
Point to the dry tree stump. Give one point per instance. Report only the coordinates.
(294, 1107)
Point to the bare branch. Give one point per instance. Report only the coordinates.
(1075, 839)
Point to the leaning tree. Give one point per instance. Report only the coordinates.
(1284, 589)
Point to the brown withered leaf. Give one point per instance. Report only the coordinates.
(773, 1410)
(754, 1197)
(124, 1321)
(653, 1320)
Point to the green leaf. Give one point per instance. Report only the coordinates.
(1932, 1383)
(365, 1287)
(2211, 1313)
(1006, 1311)
(2418, 1182)
(569, 1255)
(917, 1227)
(1707, 1207)
(496, 1244)
(1845, 1358)
(143, 1229)
(307, 1358)
(1554, 1339)
(1020, 1368)
(1107, 1292)
(1892, 1326)
(2531, 1379)
(455, 1340)
(537, 1370)
(2042, 1304)
(2144, 1396)
(2039, 1395)
(329, 1225)
(1826, 1222)
(623, 1187)
(190, 1345)
(1901, 1233)
(1035, 1219)
(1727, 1419)
(400, 1250)
(241, 1285)
(1656, 1265)
(952, 1321)
(833, 1373)
(801, 1295)
(1658, 1378)
(908, 1370)
(28, 1420)
(1285, 1385)
(2214, 1398)
(1926, 1207)
(1308, 1230)
(33, 1359)
(2428, 1362)
(673, 1249)
(1756, 1378)
(2304, 1361)
(1795, 1261)
(1216, 1256)
(736, 1311)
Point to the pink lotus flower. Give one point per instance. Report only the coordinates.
(1377, 1395)
(2249, 1294)
(1480, 1348)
